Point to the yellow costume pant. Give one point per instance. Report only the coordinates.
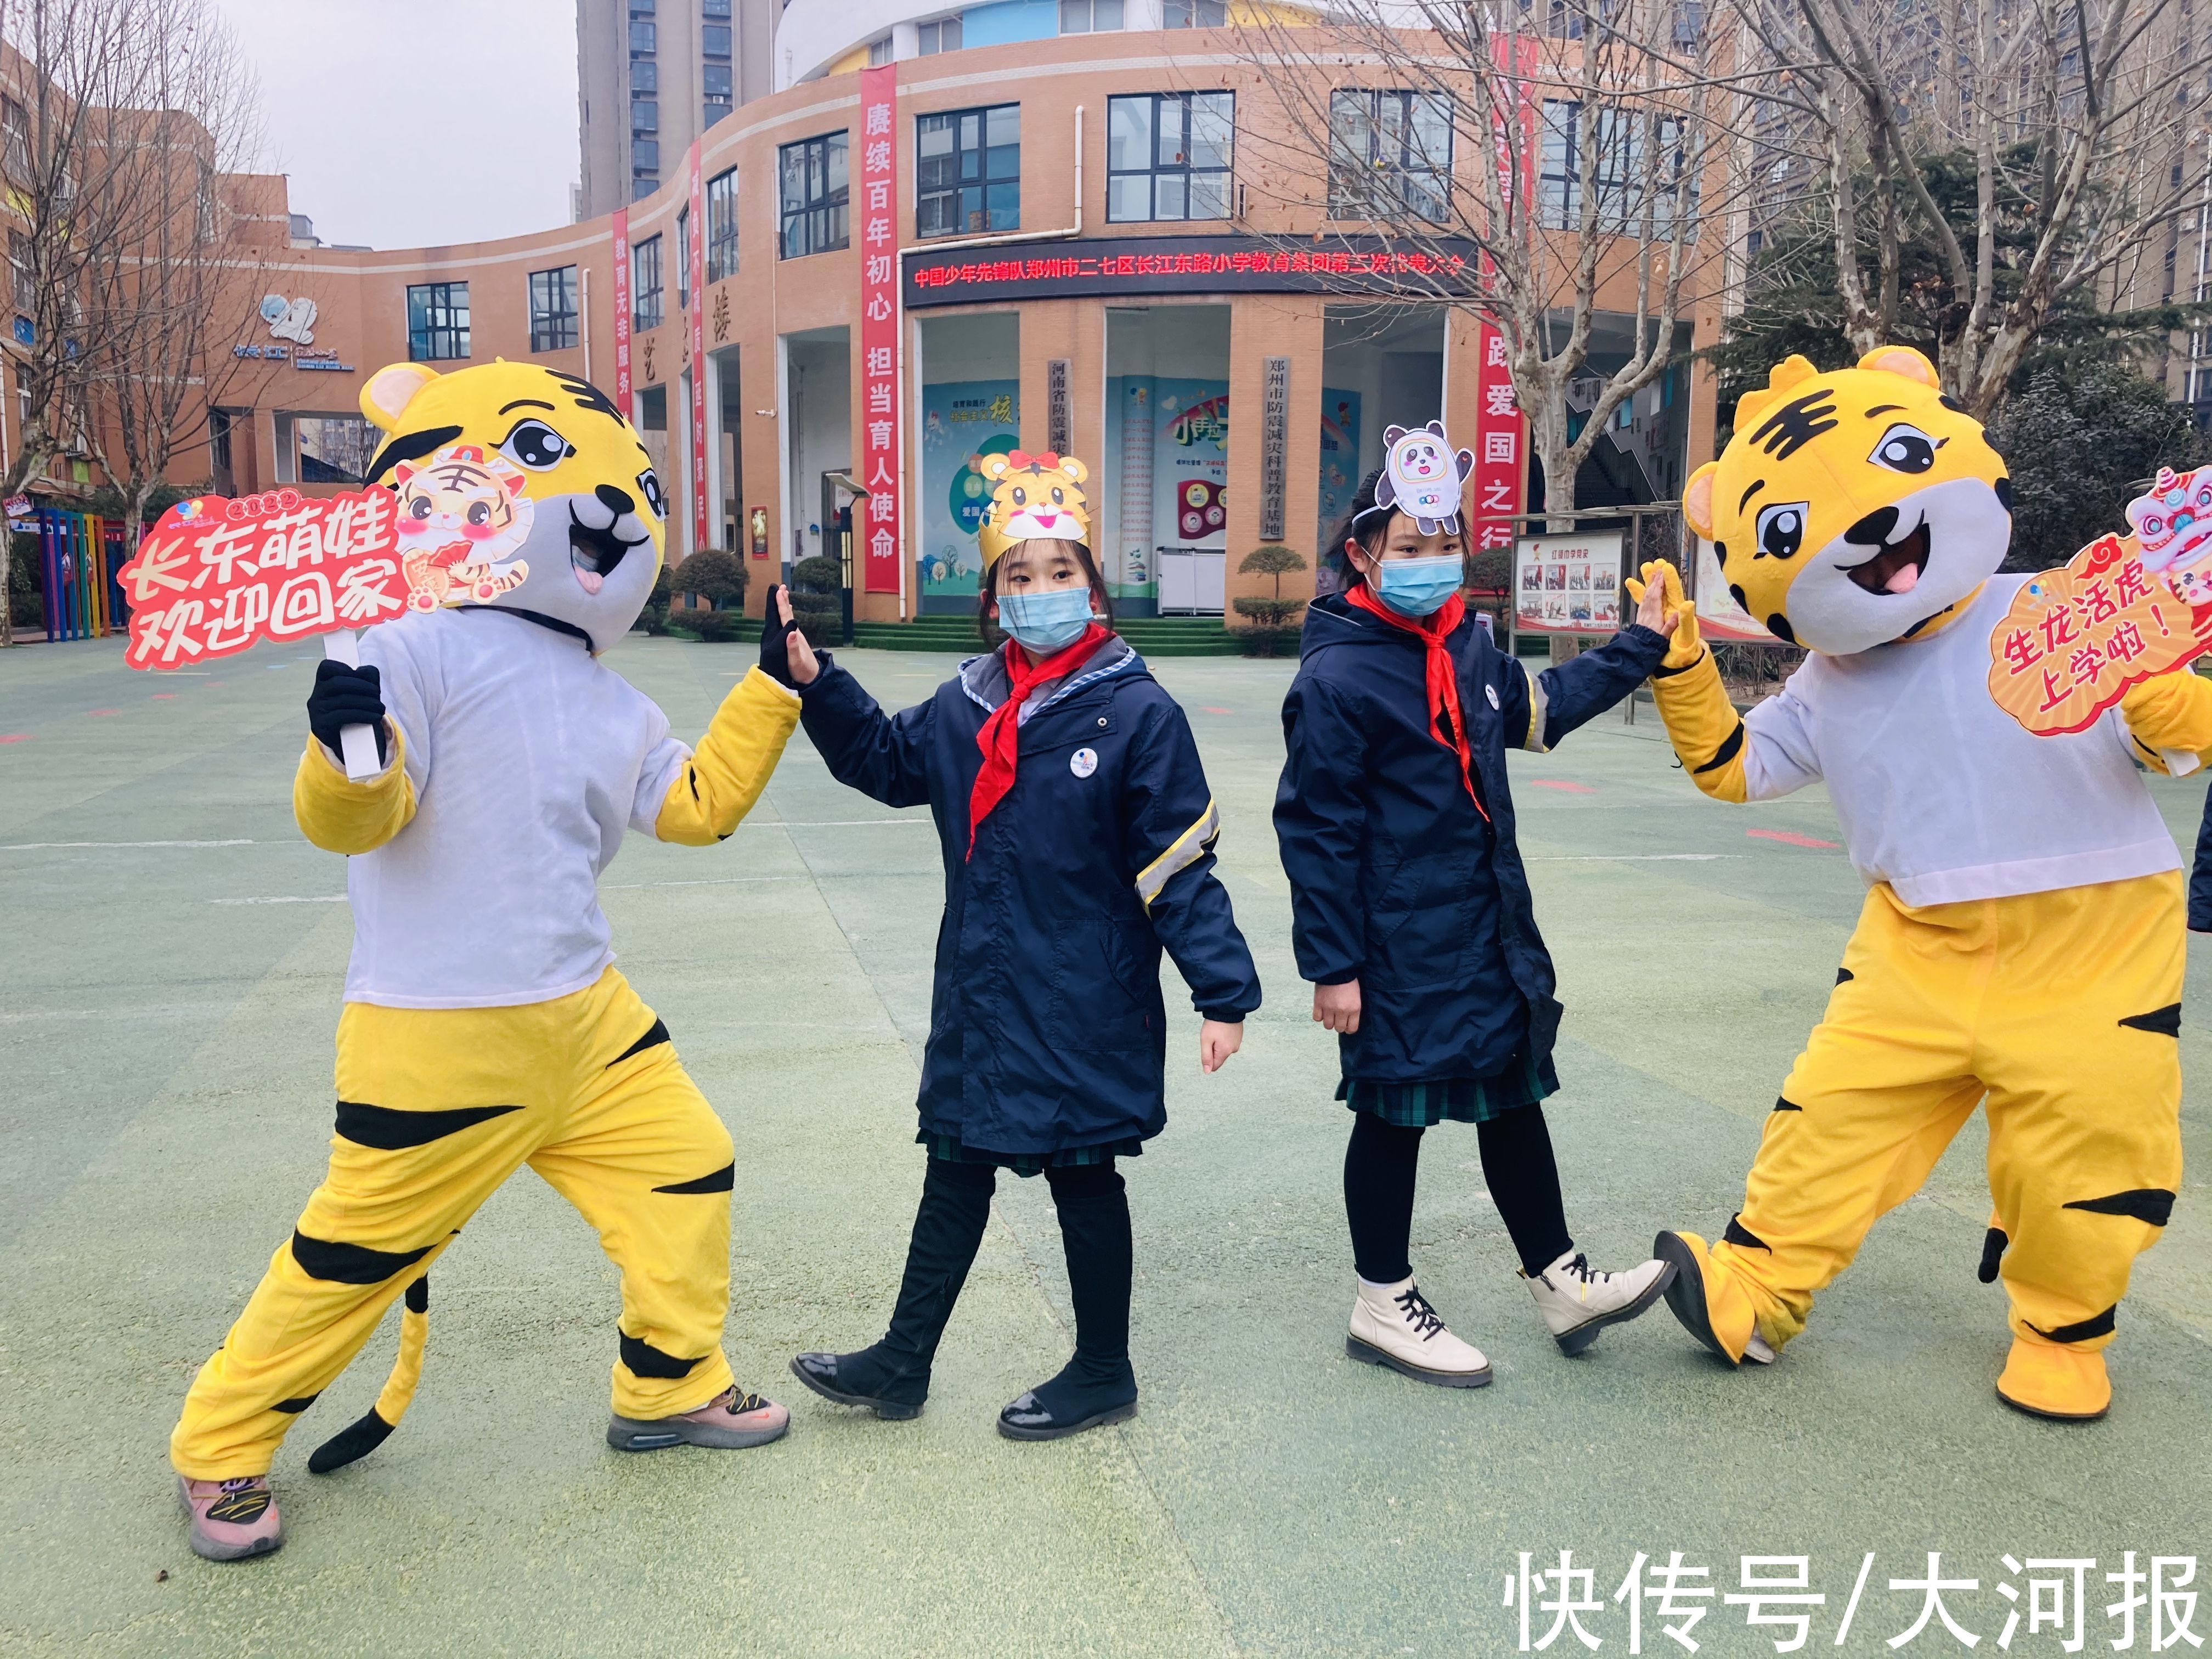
(436, 1108)
(2063, 1009)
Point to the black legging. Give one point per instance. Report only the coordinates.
(1379, 1166)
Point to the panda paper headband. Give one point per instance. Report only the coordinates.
(1421, 477)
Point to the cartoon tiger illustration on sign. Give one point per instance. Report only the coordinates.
(463, 518)
(2022, 942)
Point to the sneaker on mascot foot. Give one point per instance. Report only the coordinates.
(1577, 1301)
(731, 1421)
(231, 1520)
(1393, 1324)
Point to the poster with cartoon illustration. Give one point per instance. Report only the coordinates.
(1340, 455)
(1165, 476)
(961, 421)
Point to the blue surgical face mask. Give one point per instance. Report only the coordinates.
(1416, 587)
(1046, 622)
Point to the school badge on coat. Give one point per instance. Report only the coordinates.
(1083, 762)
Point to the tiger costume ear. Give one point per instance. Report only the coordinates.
(1902, 360)
(1698, 500)
(390, 389)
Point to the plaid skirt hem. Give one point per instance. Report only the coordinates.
(952, 1150)
(1431, 1101)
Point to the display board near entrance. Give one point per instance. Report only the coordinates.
(1136, 266)
(1567, 584)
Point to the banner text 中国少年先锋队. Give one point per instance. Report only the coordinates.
(1141, 265)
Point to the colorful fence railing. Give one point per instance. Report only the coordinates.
(79, 554)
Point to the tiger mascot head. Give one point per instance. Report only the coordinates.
(1854, 507)
(595, 510)
(1033, 498)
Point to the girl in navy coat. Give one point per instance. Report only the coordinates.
(1077, 831)
(1411, 906)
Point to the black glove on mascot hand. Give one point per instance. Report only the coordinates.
(776, 636)
(347, 697)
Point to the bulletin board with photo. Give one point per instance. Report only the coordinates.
(1567, 584)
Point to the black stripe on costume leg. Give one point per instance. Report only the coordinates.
(1743, 1237)
(2166, 1021)
(720, 1182)
(2095, 1325)
(2151, 1204)
(1727, 751)
(643, 1359)
(297, 1404)
(652, 1039)
(418, 1295)
(1783, 1104)
(390, 1131)
(1845, 976)
(350, 1264)
(1993, 1249)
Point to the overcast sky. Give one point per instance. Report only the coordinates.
(410, 123)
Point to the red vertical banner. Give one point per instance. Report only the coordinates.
(696, 285)
(1501, 437)
(622, 312)
(876, 210)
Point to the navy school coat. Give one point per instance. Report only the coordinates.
(1046, 1029)
(1395, 879)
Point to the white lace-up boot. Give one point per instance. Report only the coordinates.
(1393, 1324)
(1577, 1302)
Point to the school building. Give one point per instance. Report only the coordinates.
(946, 236)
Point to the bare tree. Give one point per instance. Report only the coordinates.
(2075, 119)
(174, 280)
(1554, 165)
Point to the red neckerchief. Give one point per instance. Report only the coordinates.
(1000, 738)
(1443, 682)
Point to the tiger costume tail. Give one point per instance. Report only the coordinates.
(360, 1439)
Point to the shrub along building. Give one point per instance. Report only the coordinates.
(1076, 228)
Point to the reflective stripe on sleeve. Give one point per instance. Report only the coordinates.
(1183, 851)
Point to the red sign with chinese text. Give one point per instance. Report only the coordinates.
(1501, 432)
(880, 424)
(2075, 639)
(1184, 264)
(621, 310)
(215, 576)
(696, 285)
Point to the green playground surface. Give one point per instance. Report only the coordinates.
(171, 954)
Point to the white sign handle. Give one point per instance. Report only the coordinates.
(356, 743)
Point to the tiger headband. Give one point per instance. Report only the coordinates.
(1033, 498)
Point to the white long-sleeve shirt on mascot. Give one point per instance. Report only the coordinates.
(1942, 794)
(529, 759)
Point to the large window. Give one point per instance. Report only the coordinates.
(812, 196)
(714, 82)
(15, 132)
(22, 272)
(1194, 14)
(644, 76)
(645, 291)
(715, 40)
(968, 171)
(722, 225)
(437, 321)
(683, 258)
(335, 448)
(553, 309)
(1389, 154)
(1089, 16)
(1167, 156)
(641, 37)
(644, 115)
(942, 34)
(1631, 162)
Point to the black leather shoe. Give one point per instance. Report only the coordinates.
(819, 1372)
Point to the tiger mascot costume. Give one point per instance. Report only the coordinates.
(2021, 943)
(484, 1026)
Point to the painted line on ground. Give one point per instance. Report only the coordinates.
(1630, 858)
(51, 846)
(1561, 784)
(1790, 838)
(605, 887)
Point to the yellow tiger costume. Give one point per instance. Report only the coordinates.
(2022, 944)
(484, 1026)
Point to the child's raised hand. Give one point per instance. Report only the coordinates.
(1336, 1007)
(798, 655)
(1218, 1039)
